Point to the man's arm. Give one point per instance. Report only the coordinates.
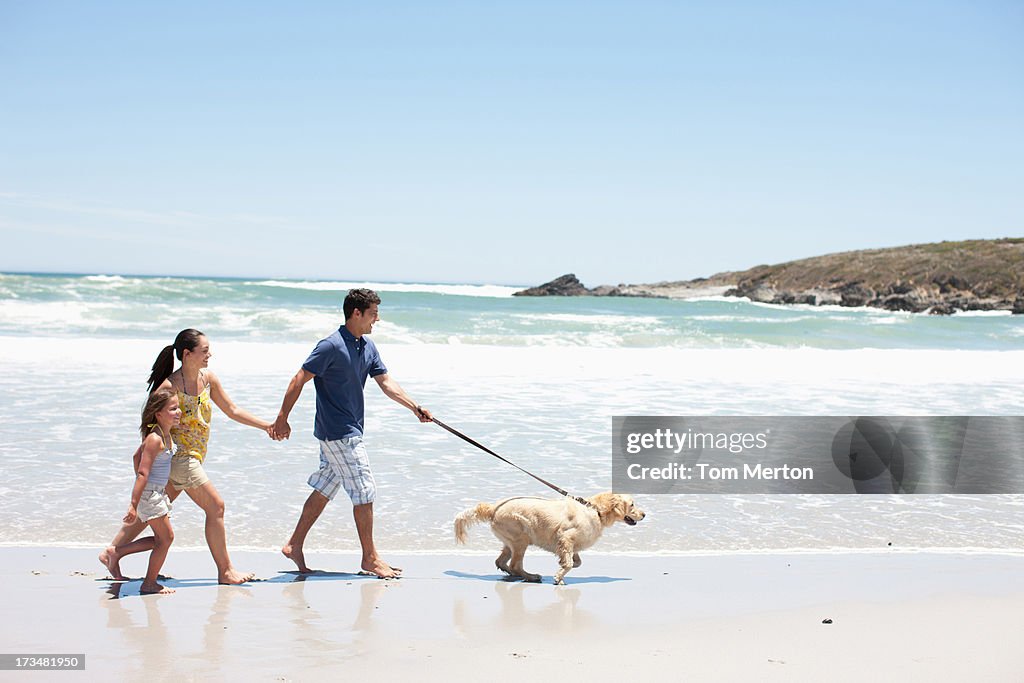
(281, 428)
(397, 394)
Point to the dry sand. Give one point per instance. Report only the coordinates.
(898, 616)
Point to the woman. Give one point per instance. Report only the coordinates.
(196, 387)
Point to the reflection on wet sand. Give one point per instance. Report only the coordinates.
(216, 631)
(153, 638)
(148, 639)
(319, 631)
(558, 611)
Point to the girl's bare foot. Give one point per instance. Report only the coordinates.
(155, 589)
(110, 560)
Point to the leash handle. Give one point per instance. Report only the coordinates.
(485, 449)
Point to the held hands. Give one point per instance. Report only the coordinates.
(280, 430)
(269, 429)
(131, 516)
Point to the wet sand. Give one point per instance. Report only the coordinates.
(723, 617)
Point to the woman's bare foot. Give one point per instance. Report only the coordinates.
(294, 554)
(233, 577)
(155, 589)
(380, 568)
(110, 560)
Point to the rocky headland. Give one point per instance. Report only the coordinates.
(939, 278)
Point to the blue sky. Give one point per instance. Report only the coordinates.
(501, 142)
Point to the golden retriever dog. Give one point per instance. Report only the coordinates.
(562, 526)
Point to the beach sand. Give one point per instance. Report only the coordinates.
(899, 616)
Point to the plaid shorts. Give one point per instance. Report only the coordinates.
(345, 464)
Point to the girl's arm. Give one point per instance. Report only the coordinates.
(137, 459)
(224, 402)
(150, 448)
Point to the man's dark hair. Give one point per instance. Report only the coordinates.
(361, 299)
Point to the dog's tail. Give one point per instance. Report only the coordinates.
(484, 512)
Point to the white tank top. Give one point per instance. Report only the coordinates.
(161, 469)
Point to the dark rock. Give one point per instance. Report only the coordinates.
(973, 304)
(854, 294)
(903, 303)
(1018, 306)
(949, 284)
(567, 285)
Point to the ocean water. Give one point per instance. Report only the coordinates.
(537, 380)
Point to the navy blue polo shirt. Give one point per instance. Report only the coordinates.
(341, 363)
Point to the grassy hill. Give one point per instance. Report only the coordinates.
(941, 278)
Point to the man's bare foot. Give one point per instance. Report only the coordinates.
(295, 555)
(380, 568)
(155, 589)
(233, 577)
(110, 560)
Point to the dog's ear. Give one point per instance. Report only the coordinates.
(605, 503)
(620, 506)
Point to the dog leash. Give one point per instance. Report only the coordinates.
(485, 449)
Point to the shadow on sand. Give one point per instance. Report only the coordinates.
(504, 578)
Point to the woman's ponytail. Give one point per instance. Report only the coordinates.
(187, 340)
(162, 367)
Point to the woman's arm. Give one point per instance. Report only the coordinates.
(224, 402)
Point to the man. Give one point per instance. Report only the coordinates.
(339, 366)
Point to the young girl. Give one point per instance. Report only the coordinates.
(150, 504)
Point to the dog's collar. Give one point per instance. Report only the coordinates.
(587, 503)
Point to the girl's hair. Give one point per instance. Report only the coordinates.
(154, 404)
(164, 364)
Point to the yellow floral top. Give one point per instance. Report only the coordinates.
(193, 432)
